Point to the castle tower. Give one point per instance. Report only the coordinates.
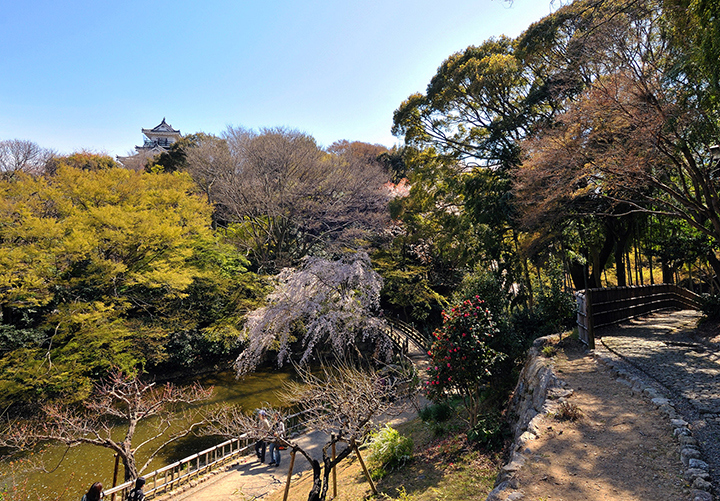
(159, 138)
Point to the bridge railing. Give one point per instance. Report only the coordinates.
(180, 472)
(601, 307)
(402, 333)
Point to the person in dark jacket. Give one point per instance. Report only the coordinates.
(137, 493)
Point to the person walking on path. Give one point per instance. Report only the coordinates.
(263, 432)
(278, 432)
(94, 493)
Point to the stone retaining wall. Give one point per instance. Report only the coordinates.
(539, 392)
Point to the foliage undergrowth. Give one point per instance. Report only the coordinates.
(710, 306)
(490, 431)
(389, 450)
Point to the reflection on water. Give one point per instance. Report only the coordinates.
(75, 469)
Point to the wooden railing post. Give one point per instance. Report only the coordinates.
(590, 321)
(289, 475)
(334, 470)
(115, 474)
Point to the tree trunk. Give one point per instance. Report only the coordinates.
(526, 272)
(620, 266)
(321, 479)
(316, 490)
(715, 264)
(577, 274)
(667, 274)
(130, 466)
(604, 255)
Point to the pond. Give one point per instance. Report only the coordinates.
(75, 469)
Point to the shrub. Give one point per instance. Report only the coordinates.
(549, 351)
(555, 306)
(388, 450)
(710, 306)
(436, 413)
(568, 412)
(462, 355)
(489, 431)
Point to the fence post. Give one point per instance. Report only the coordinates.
(115, 474)
(289, 475)
(589, 318)
(334, 470)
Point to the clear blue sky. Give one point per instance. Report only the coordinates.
(91, 73)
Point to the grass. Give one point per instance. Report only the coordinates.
(443, 468)
(568, 412)
(549, 351)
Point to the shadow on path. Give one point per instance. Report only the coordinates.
(662, 346)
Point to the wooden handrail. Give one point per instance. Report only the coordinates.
(409, 332)
(601, 307)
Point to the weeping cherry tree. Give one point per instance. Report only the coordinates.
(323, 302)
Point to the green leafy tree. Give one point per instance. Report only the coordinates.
(431, 240)
(90, 261)
(462, 357)
(477, 108)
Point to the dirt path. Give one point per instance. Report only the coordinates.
(620, 449)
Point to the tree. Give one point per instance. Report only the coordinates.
(208, 161)
(116, 407)
(431, 239)
(83, 160)
(694, 31)
(323, 302)
(474, 107)
(627, 140)
(362, 153)
(286, 198)
(341, 402)
(17, 155)
(106, 261)
(477, 108)
(462, 358)
(630, 129)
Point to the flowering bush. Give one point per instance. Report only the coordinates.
(462, 358)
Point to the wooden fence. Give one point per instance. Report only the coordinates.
(173, 475)
(600, 307)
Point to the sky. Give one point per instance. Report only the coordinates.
(90, 74)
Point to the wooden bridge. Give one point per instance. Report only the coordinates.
(407, 338)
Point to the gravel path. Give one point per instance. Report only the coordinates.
(662, 350)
